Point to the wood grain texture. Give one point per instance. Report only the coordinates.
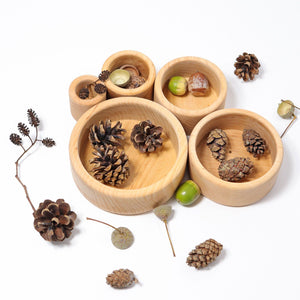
(79, 106)
(188, 108)
(142, 63)
(204, 168)
(153, 177)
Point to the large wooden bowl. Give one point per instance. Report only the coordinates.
(79, 106)
(190, 109)
(142, 63)
(204, 168)
(153, 177)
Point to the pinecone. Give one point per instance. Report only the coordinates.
(100, 88)
(235, 169)
(204, 254)
(254, 143)
(15, 139)
(111, 165)
(54, 220)
(217, 143)
(105, 134)
(146, 137)
(121, 279)
(247, 66)
(84, 93)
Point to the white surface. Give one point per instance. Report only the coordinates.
(44, 46)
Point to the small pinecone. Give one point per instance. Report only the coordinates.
(100, 88)
(15, 139)
(23, 129)
(121, 278)
(247, 66)
(48, 142)
(105, 134)
(135, 82)
(254, 143)
(33, 118)
(84, 93)
(111, 165)
(103, 76)
(204, 254)
(235, 169)
(146, 137)
(217, 143)
(54, 220)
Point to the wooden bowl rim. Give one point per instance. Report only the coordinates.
(130, 92)
(85, 102)
(191, 112)
(92, 183)
(236, 185)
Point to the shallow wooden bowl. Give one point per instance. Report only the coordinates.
(79, 106)
(142, 63)
(190, 109)
(153, 177)
(204, 168)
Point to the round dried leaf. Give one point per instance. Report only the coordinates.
(122, 238)
(163, 212)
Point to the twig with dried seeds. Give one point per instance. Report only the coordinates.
(53, 220)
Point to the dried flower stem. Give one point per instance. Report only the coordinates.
(104, 223)
(165, 221)
(17, 166)
(294, 118)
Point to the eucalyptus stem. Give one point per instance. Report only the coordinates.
(294, 118)
(165, 221)
(90, 219)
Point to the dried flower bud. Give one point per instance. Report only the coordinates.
(103, 76)
(48, 142)
(23, 129)
(15, 139)
(33, 118)
(100, 88)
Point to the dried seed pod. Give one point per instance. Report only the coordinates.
(33, 118)
(235, 169)
(48, 142)
(23, 129)
(100, 88)
(121, 279)
(204, 254)
(254, 143)
(198, 85)
(217, 142)
(15, 139)
(103, 76)
(163, 212)
(122, 238)
(84, 93)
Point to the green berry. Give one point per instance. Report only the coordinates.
(188, 193)
(177, 85)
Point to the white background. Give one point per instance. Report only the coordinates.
(44, 46)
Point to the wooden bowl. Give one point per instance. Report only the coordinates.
(142, 63)
(190, 109)
(204, 168)
(153, 177)
(79, 106)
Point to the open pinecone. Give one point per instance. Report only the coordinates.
(204, 254)
(217, 142)
(111, 165)
(121, 278)
(146, 137)
(54, 220)
(247, 66)
(235, 169)
(254, 143)
(106, 134)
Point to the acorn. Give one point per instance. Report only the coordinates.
(177, 85)
(188, 193)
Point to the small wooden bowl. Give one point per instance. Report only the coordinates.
(79, 106)
(153, 177)
(142, 63)
(204, 168)
(190, 109)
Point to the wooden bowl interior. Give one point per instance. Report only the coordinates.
(83, 84)
(129, 59)
(234, 125)
(145, 169)
(186, 68)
